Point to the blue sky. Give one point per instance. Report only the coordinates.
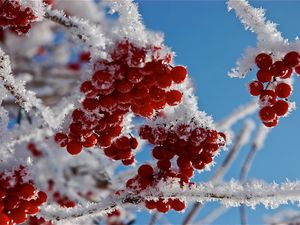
(208, 39)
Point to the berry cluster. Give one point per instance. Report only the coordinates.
(128, 83)
(272, 84)
(16, 17)
(18, 198)
(193, 148)
(115, 218)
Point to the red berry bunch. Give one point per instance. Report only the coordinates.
(272, 84)
(16, 17)
(115, 218)
(18, 198)
(193, 148)
(136, 80)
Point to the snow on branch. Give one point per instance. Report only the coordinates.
(26, 99)
(268, 37)
(81, 30)
(231, 194)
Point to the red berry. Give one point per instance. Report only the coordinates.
(283, 90)
(268, 97)
(26, 191)
(272, 123)
(263, 61)
(173, 97)
(103, 80)
(164, 81)
(164, 164)
(157, 94)
(162, 206)
(133, 143)
(4, 220)
(198, 135)
(61, 139)
(129, 161)
(90, 141)
(104, 140)
(74, 147)
(279, 69)
(18, 215)
(267, 114)
(111, 151)
(291, 59)
(145, 170)
(159, 153)
(178, 74)
(177, 205)
(42, 197)
(183, 162)
(124, 86)
(264, 75)
(150, 204)
(281, 107)
(122, 143)
(90, 104)
(255, 88)
(135, 76)
(297, 70)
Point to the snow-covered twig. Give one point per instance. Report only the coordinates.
(256, 145)
(268, 37)
(81, 30)
(231, 194)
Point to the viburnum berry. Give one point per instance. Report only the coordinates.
(291, 59)
(74, 147)
(173, 97)
(283, 90)
(264, 75)
(61, 139)
(255, 88)
(279, 69)
(178, 74)
(263, 61)
(177, 204)
(145, 170)
(281, 107)
(272, 123)
(267, 114)
(268, 97)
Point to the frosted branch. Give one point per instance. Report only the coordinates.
(81, 30)
(268, 37)
(231, 194)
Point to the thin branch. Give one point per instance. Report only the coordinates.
(256, 145)
(231, 194)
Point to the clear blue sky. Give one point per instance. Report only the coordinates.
(208, 40)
